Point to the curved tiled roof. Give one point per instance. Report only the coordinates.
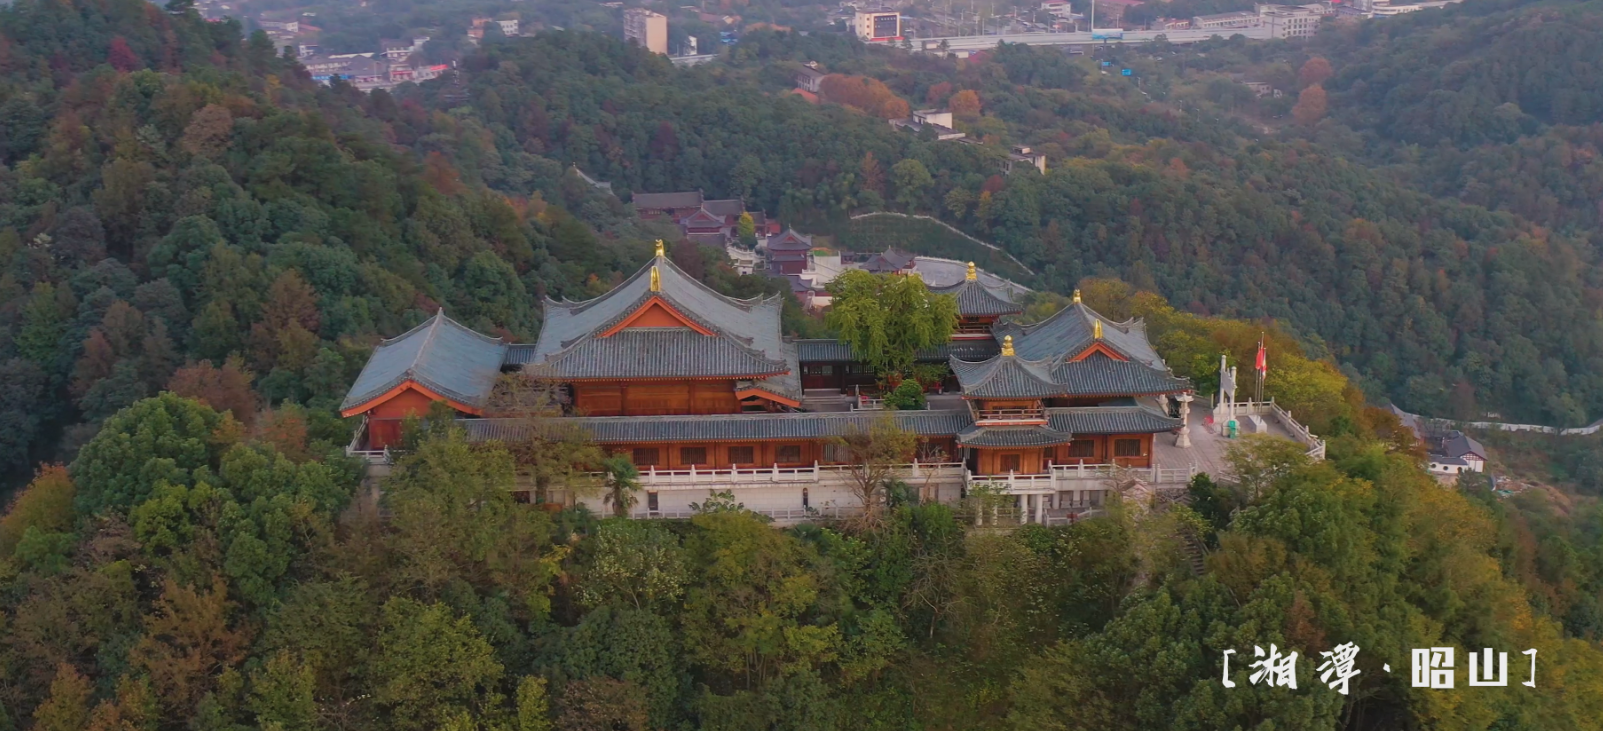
(728, 427)
(977, 300)
(1012, 436)
(1111, 420)
(1100, 375)
(1071, 331)
(1006, 376)
(571, 329)
(441, 355)
(669, 352)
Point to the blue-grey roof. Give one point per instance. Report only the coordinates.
(1017, 377)
(1070, 331)
(727, 427)
(659, 352)
(1111, 420)
(1012, 436)
(825, 350)
(441, 355)
(748, 330)
(977, 300)
(787, 384)
(1457, 444)
(1006, 376)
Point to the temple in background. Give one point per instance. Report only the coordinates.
(705, 394)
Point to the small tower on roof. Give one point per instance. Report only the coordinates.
(1076, 296)
(972, 274)
(1007, 345)
(660, 253)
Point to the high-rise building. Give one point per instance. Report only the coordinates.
(878, 25)
(646, 28)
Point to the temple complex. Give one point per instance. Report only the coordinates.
(705, 394)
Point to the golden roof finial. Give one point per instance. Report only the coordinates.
(1007, 345)
(1096, 329)
(660, 253)
(972, 275)
(1076, 296)
(656, 280)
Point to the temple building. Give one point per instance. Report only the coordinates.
(705, 394)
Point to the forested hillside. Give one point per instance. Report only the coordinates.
(1445, 307)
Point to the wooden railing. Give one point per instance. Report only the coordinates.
(1034, 414)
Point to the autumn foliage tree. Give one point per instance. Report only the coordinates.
(868, 95)
(1315, 70)
(1310, 106)
(224, 389)
(965, 102)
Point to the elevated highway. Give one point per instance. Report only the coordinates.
(965, 45)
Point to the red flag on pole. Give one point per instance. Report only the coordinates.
(1262, 366)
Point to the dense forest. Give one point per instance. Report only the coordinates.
(1446, 307)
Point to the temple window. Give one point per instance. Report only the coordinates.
(1082, 448)
(1127, 447)
(788, 453)
(693, 455)
(645, 456)
(742, 455)
(1009, 462)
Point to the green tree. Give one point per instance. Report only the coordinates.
(167, 438)
(912, 180)
(636, 563)
(888, 318)
(622, 482)
(431, 665)
(747, 228)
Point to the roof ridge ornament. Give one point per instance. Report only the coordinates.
(1007, 346)
(656, 281)
(1076, 296)
(660, 253)
(1096, 329)
(972, 275)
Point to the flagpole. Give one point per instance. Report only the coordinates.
(1259, 366)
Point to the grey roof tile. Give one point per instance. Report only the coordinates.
(1111, 420)
(440, 354)
(727, 427)
(752, 324)
(670, 352)
(977, 300)
(1070, 332)
(1006, 377)
(1012, 436)
(724, 207)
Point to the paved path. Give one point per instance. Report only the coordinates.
(1207, 451)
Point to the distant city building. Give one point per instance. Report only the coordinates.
(810, 77)
(1291, 21)
(1226, 21)
(878, 25)
(648, 29)
(1021, 156)
(937, 120)
(286, 26)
